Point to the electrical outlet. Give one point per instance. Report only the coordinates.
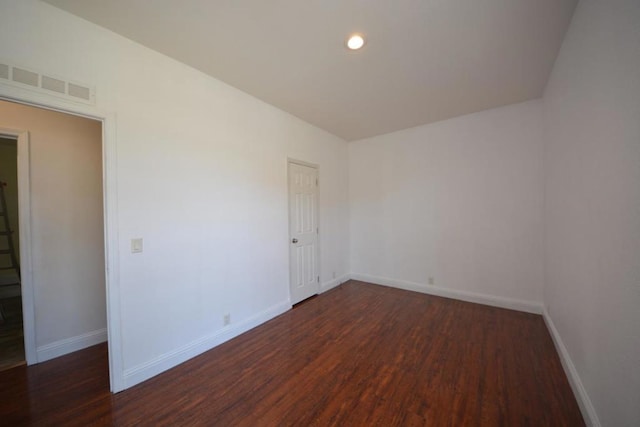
(432, 281)
(226, 319)
(334, 274)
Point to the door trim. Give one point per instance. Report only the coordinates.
(318, 246)
(110, 212)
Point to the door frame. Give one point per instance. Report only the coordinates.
(110, 215)
(315, 166)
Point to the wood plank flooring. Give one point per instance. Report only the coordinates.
(358, 355)
(11, 333)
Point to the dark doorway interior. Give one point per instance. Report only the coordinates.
(11, 329)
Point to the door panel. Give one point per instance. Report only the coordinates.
(303, 231)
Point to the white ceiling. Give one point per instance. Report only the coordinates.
(424, 61)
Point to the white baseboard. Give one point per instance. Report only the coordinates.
(586, 407)
(69, 345)
(333, 283)
(492, 300)
(180, 355)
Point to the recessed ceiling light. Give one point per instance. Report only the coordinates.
(355, 41)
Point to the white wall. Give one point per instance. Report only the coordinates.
(201, 177)
(592, 292)
(67, 244)
(458, 200)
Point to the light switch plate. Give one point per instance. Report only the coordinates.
(136, 246)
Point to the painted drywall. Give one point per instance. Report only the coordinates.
(9, 175)
(67, 244)
(201, 177)
(458, 200)
(592, 198)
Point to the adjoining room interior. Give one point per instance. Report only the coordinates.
(467, 225)
(53, 161)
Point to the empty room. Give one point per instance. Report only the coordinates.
(338, 212)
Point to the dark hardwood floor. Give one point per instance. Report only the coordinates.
(358, 355)
(11, 333)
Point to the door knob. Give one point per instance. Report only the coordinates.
(294, 240)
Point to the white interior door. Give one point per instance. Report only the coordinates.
(304, 278)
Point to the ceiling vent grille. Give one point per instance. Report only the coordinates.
(55, 85)
(25, 77)
(21, 77)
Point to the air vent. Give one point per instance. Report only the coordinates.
(25, 77)
(55, 85)
(21, 77)
(79, 91)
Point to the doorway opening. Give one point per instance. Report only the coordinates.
(60, 253)
(12, 351)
